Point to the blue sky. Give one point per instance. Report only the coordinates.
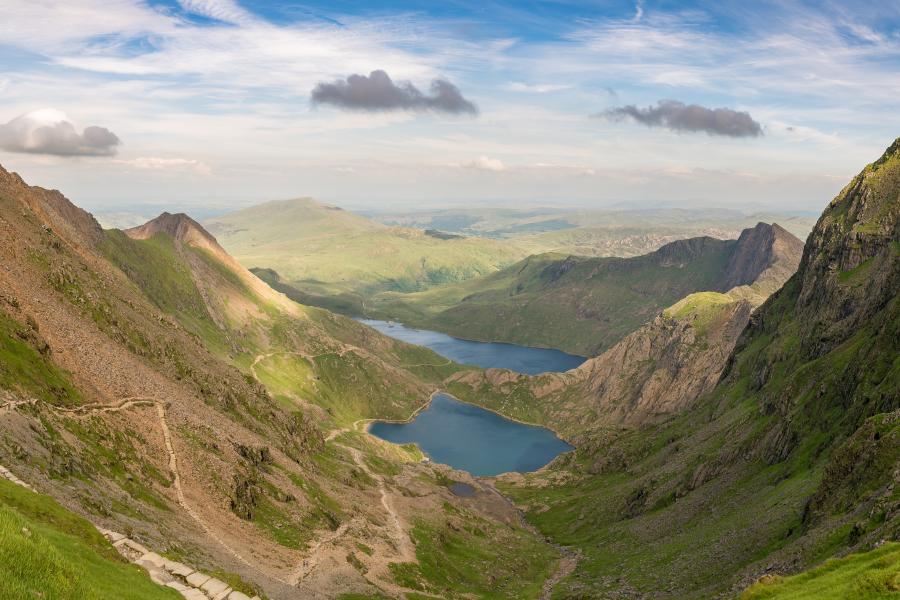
(199, 103)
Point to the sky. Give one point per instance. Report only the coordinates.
(217, 104)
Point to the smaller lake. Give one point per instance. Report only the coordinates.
(473, 439)
(486, 355)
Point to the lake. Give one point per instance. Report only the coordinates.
(473, 439)
(486, 355)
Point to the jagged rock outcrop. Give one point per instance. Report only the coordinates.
(763, 254)
(664, 366)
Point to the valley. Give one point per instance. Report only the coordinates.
(306, 300)
(156, 387)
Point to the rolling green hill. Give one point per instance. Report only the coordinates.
(791, 459)
(585, 305)
(324, 251)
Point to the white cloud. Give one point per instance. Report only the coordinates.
(50, 131)
(227, 11)
(537, 88)
(485, 163)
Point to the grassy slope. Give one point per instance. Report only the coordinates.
(188, 320)
(348, 386)
(325, 251)
(48, 552)
(873, 575)
(581, 305)
(791, 458)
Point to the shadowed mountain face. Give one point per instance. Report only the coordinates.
(586, 305)
(791, 458)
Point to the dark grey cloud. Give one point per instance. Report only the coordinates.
(679, 116)
(378, 92)
(50, 132)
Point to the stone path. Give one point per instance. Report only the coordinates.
(192, 584)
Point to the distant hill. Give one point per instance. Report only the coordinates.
(332, 254)
(619, 232)
(585, 305)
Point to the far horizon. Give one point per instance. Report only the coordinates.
(221, 104)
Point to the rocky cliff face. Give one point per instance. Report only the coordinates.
(663, 367)
(765, 253)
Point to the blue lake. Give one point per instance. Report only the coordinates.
(486, 355)
(473, 439)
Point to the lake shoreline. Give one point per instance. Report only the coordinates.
(427, 403)
(526, 360)
(370, 422)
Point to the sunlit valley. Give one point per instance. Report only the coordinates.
(550, 301)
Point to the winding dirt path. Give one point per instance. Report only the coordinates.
(568, 558)
(143, 401)
(179, 491)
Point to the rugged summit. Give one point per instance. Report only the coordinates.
(664, 366)
(763, 252)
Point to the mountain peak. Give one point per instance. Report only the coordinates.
(760, 249)
(55, 210)
(849, 268)
(179, 226)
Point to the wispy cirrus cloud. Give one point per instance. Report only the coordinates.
(678, 116)
(156, 163)
(378, 92)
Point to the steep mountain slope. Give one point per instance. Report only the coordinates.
(586, 305)
(791, 459)
(155, 387)
(326, 252)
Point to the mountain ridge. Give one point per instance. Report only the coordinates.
(789, 460)
(586, 305)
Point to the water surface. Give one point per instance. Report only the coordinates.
(486, 355)
(473, 439)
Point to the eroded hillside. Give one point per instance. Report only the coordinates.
(152, 385)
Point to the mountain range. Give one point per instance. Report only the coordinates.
(585, 305)
(163, 406)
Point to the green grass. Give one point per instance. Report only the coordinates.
(325, 252)
(27, 371)
(467, 556)
(50, 553)
(872, 575)
(154, 266)
(701, 309)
